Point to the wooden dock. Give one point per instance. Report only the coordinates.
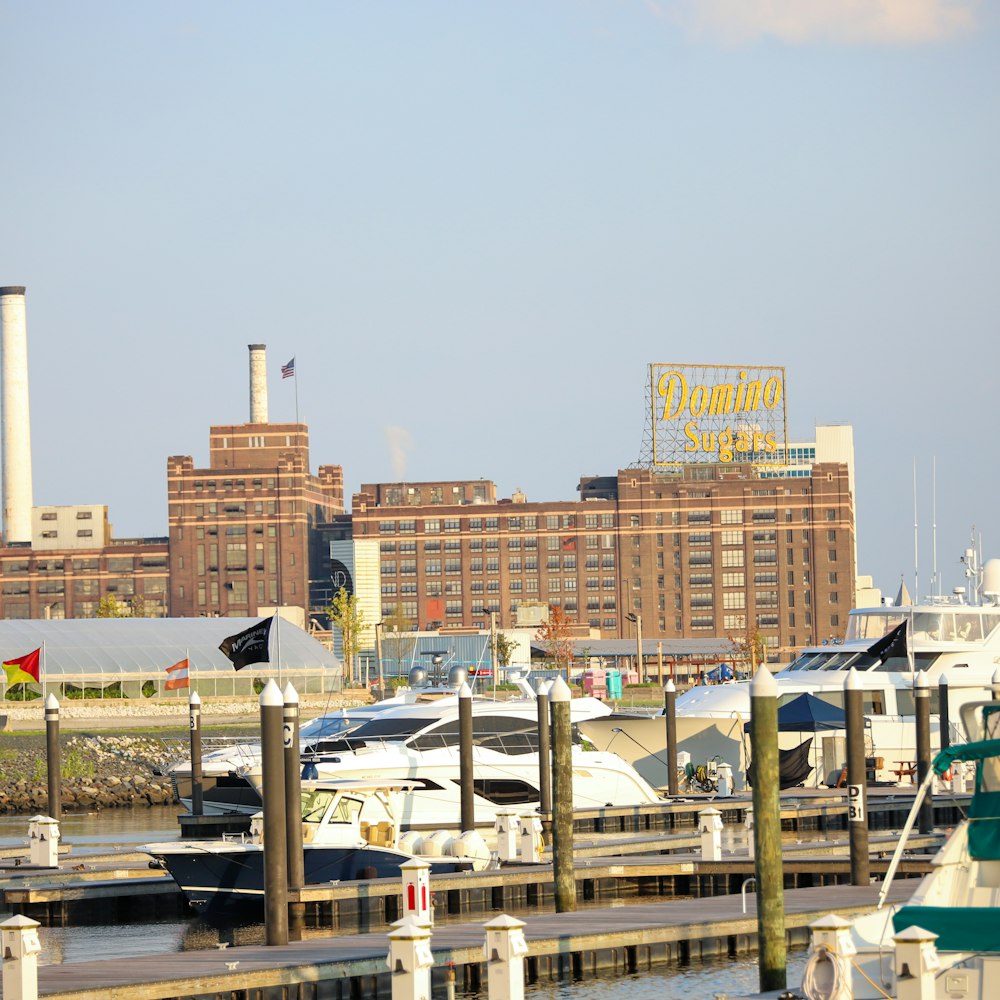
(628, 939)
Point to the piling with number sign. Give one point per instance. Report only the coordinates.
(857, 785)
(197, 778)
(273, 793)
(767, 831)
(53, 764)
(562, 798)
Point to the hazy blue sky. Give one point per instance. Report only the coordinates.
(478, 222)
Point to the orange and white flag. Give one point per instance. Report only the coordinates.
(177, 676)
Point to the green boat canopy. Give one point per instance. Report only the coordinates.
(966, 751)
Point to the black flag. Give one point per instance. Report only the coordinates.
(891, 644)
(250, 646)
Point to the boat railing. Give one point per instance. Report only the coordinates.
(179, 747)
(511, 743)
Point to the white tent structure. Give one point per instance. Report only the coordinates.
(128, 657)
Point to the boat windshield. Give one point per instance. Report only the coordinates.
(315, 804)
(872, 625)
(326, 725)
(926, 625)
(841, 659)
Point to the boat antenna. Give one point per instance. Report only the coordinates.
(935, 580)
(916, 564)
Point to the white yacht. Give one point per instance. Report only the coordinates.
(225, 790)
(949, 637)
(419, 743)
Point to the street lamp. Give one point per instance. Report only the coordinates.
(493, 643)
(637, 619)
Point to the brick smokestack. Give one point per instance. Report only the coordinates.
(258, 383)
(14, 416)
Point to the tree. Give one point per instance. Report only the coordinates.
(554, 637)
(506, 648)
(346, 615)
(750, 646)
(398, 641)
(137, 606)
(111, 607)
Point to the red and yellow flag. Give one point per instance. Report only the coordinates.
(23, 669)
(177, 676)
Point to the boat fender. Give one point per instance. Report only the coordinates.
(827, 976)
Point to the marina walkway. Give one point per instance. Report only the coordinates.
(632, 936)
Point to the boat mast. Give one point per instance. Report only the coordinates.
(916, 570)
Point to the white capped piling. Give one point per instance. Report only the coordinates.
(828, 971)
(197, 782)
(466, 778)
(52, 761)
(20, 949)
(767, 831)
(507, 828)
(410, 960)
(724, 779)
(922, 703)
(43, 842)
(417, 891)
(916, 963)
(710, 832)
(544, 759)
(562, 798)
(293, 806)
(530, 835)
(857, 784)
(505, 949)
(670, 721)
(273, 793)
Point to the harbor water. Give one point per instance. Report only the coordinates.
(125, 829)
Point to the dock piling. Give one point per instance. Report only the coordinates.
(710, 829)
(562, 798)
(293, 807)
(53, 765)
(857, 784)
(670, 718)
(273, 794)
(544, 760)
(767, 831)
(922, 701)
(467, 820)
(197, 778)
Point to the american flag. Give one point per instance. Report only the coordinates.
(288, 370)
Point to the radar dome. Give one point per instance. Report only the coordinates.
(457, 676)
(417, 677)
(991, 580)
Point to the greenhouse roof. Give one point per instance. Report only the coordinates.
(91, 647)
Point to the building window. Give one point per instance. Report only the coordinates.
(49, 515)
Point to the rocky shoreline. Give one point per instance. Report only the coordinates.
(98, 772)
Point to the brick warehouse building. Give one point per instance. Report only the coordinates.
(243, 530)
(699, 553)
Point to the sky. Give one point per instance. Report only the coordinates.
(474, 225)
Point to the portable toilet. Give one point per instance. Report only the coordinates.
(614, 682)
(595, 682)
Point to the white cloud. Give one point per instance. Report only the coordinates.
(845, 22)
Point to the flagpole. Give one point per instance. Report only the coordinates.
(277, 644)
(295, 377)
(45, 672)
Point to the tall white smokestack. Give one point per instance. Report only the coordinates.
(258, 383)
(14, 416)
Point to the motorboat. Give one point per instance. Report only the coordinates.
(958, 901)
(944, 637)
(420, 743)
(350, 831)
(225, 790)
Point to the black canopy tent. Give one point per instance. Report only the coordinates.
(804, 714)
